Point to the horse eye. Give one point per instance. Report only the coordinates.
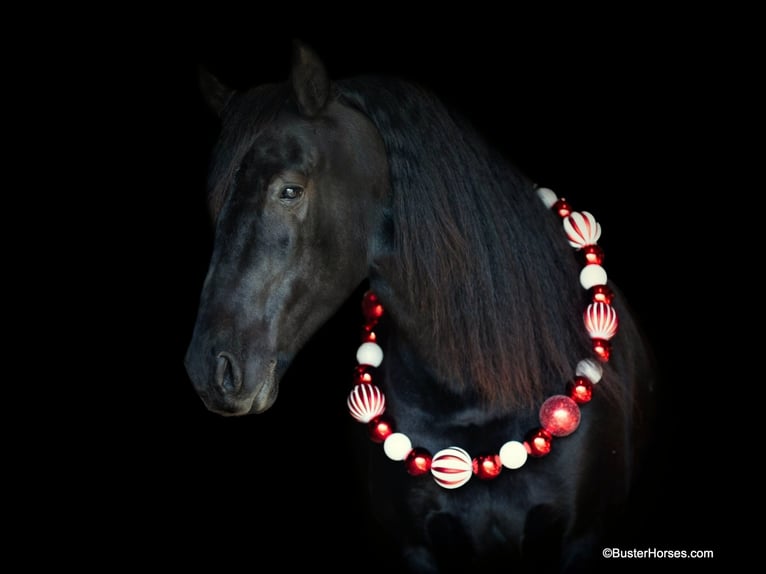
(291, 192)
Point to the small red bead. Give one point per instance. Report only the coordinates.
(363, 374)
(487, 466)
(371, 308)
(418, 461)
(580, 390)
(601, 294)
(368, 335)
(562, 208)
(602, 349)
(593, 254)
(538, 442)
(380, 428)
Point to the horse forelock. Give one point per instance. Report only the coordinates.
(241, 120)
(485, 281)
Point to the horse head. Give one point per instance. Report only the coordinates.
(295, 188)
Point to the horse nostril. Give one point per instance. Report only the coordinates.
(227, 374)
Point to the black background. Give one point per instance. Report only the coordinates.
(623, 118)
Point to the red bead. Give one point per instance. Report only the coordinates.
(538, 442)
(487, 466)
(580, 390)
(363, 374)
(602, 349)
(371, 308)
(560, 415)
(418, 461)
(368, 335)
(562, 208)
(601, 294)
(592, 254)
(380, 428)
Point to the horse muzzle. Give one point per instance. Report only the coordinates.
(229, 387)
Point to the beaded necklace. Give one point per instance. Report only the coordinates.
(559, 415)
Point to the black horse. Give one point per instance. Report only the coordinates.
(476, 306)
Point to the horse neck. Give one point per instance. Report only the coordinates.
(427, 411)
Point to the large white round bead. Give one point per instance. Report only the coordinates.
(369, 353)
(365, 402)
(397, 446)
(547, 196)
(590, 369)
(513, 454)
(591, 275)
(451, 467)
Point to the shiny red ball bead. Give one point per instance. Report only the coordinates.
(363, 374)
(560, 415)
(580, 390)
(487, 466)
(380, 428)
(418, 461)
(601, 294)
(538, 442)
(562, 208)
(592, 254)
(602, 349)
(371, 307)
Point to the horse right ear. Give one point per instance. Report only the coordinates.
(215, 94)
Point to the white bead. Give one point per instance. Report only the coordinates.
(451, 467)
(369, 353)
(590, 369)
(547, 196)
(513, 454)
(591, 275)
(397, 446)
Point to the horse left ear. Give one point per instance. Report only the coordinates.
(216, 95)
(309, 80)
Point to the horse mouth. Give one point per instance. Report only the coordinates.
(258, 402)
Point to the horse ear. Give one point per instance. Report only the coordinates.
(216, 94)
(309, 80)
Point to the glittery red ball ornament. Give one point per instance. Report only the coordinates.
(592, 254)
(538, 442)
(601, 294)
(363, 374)
(580, 390)
(380, 428)
(602, 349)
(560, 415)
(562, 208)
(487, 466)
(418, 461)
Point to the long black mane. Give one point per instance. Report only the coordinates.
(484, 272)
